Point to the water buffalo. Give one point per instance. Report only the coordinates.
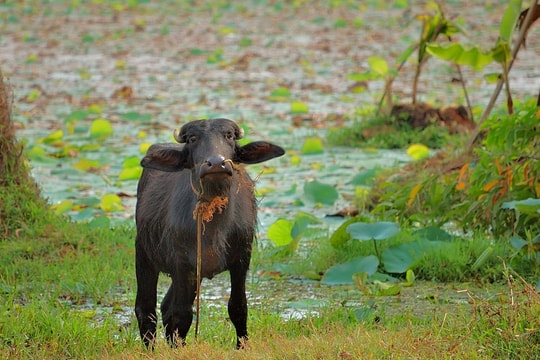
(204, 171)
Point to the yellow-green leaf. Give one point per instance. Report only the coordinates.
(86, 165)
(299, 108)
(418, 151)
(37, 152)
(474, 57)
(312, 145)
(111, 203)
(53, 137)
(378, 65)
(33, 95)
(143, 148)
(295, 160)
(101, 128)
(410, 278)
(95, 109)
(132, 173)
(280, 232)
(62, 207)
(131, 162)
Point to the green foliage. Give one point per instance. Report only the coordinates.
(434, 26)
(508, 169)
(428, 253)
(505, 168)
(509, 21)
(131, 170)
(456, 53)
(502, 51)
(496, 188)
(527, 250)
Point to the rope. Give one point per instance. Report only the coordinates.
(199, 267)
(204, 211)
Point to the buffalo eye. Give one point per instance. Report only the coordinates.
(229, 135)
(191, 139)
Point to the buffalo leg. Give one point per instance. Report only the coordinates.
(145, 302)
(237, 302)
(177, 308)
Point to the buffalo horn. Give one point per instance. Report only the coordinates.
(177, 136)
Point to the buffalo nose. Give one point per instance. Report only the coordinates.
(215, 161)
(215, 164)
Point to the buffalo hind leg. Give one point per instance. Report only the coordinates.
(145, 302)
(177, 308)
(237, 307)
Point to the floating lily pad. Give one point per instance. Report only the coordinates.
(343, 273)
(398, 259)
(111, 203)
(528, 206)
(299, 108)
(318, 192)
(373, 231)
(101, 128)
(366, 177)
(280, 232)
(312, 145)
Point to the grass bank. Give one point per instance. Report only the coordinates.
(68, 289)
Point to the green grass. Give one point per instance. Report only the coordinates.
(48, 329)
(68, 291)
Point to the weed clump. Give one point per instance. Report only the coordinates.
(20, 199)
(508, 327)
(385, 132)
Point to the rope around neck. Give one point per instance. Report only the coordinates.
(204, 211)
(199, 266)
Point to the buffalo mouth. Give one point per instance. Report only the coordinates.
(216, 165)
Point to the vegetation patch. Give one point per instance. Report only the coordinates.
(385, 132)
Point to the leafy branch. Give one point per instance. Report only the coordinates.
(504, 56)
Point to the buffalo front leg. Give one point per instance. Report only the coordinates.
(145, 302)
(177, 307)
(237, 307)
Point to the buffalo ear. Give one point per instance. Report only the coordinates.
(168, 158)
(257, 152)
